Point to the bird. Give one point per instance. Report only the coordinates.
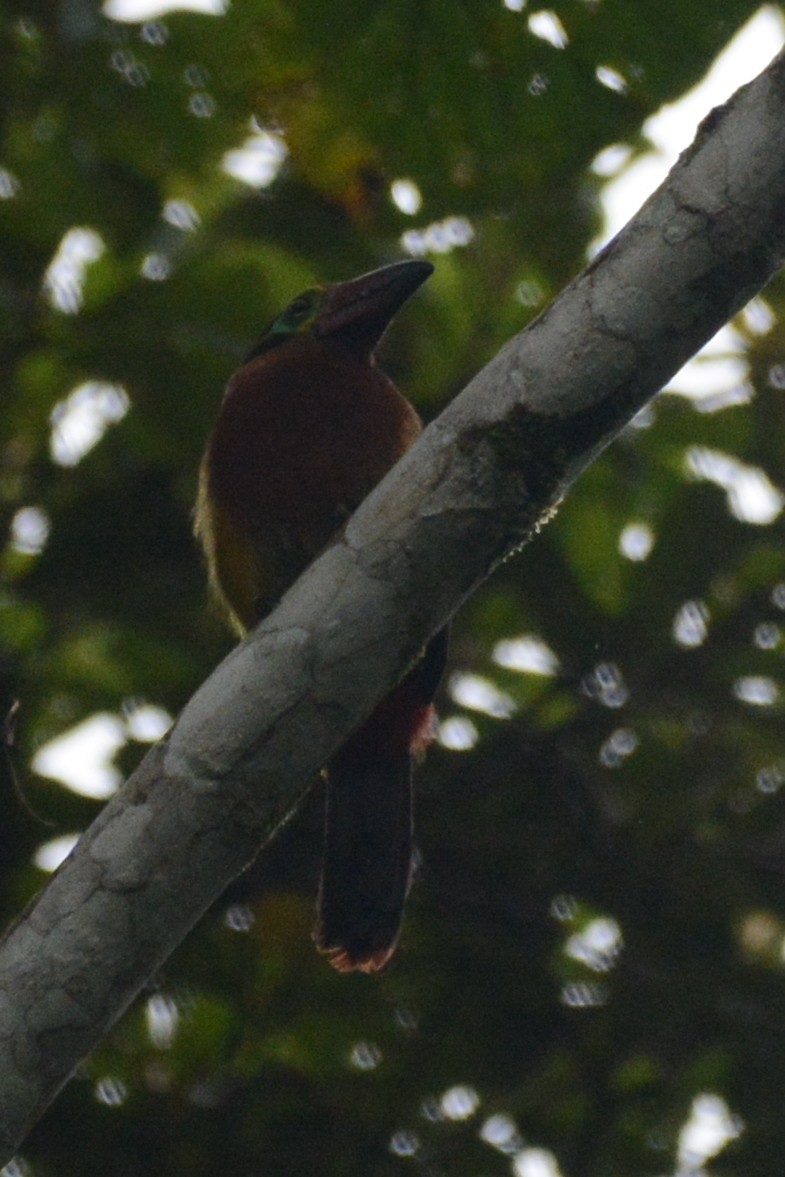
(308, 425)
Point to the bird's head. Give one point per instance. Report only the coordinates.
(352, 315)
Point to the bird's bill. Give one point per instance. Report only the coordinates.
(359, 311)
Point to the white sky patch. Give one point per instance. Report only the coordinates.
(536, 1162)
(757, 689)
(501, 1132)
(111, 1091)
(201, 105)
(440, 237)
(80, 421)
(767, 635)
(584, 995)
(459, 1103)
(758, 316)
(673, 127)
(636, 541)
(752, 497)
(720, 367)
(611, 160)
(259, 160)
(610, 78)
(606, 685)
(644, 418)
(597, 945)
(50, 854)
(181, 214)
(156, 267)
(527, 654)
(620, 744)
(9, 184)
(691, 625)
(776, 376)
(30, 528)
(133, 10)
(406, 196)
(709, 1128)
(458, 733)
(480, 694)
(146, 722)
(770, 779)
(162, 1018)
(239, 918)
(405, 1143)
(563, 908)
(365, 1056)
(65, 275)
(718, 376)
(81, 758)
(547, 27)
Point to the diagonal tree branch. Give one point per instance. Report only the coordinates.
(477, 485)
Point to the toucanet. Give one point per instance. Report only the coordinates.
(308, 426)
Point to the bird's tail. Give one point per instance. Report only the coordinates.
(367, 858)
(368, 828)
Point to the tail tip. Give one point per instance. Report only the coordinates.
(346, 959)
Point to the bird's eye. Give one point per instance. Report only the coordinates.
(291, 321)
(302, 306)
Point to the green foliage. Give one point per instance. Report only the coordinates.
(637, 789)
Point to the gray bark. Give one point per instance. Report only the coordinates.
(477, 485)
